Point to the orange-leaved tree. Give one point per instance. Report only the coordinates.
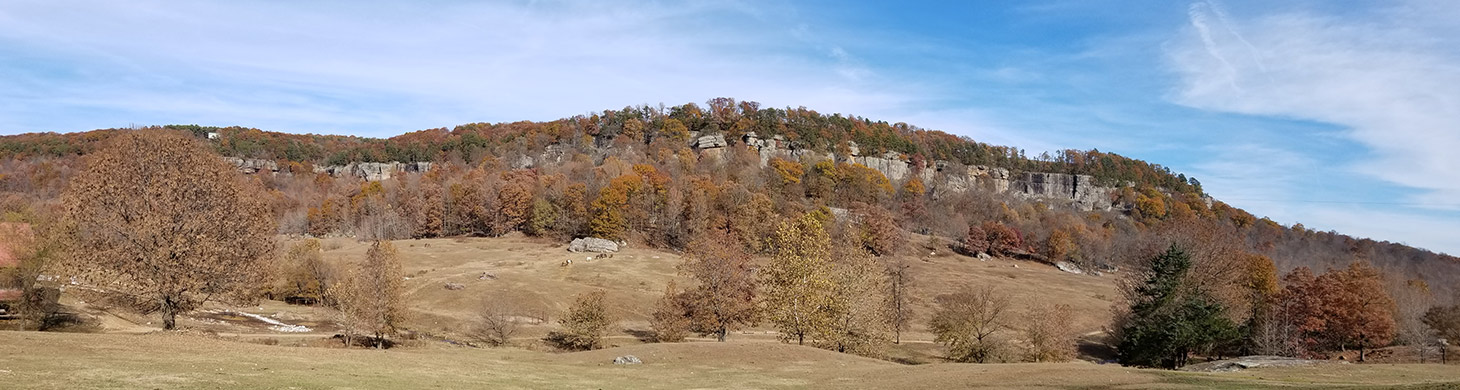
(724, 298)
(169, 228)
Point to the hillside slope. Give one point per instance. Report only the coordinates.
(660, 176)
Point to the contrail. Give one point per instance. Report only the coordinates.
(1199, 20)
(1222, 18)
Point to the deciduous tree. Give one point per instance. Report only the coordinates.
(377, 295)
(723, 299)
(799, 281)
(969, 323)
(671, 318)
(900, 283)
(1360, 311)
(857, 305)
(1049, 328)
(174, 226)
(585, 322)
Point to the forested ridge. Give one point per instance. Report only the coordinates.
(631, 174)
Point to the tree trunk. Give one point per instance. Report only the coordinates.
(721, 334)
(800, 339)
(169, 314)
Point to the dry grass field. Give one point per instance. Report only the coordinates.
(531, 272)
(30, 360)
(226, 349)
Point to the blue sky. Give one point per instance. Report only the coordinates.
(1339, 115)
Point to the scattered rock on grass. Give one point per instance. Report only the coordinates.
(627, 359)
(455, 286)
(1247, 362)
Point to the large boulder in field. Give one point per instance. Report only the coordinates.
(590, 244)
(627, 359)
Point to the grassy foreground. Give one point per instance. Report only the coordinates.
(30, 360)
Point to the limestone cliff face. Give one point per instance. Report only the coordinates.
(367, 171)
(372, 171)
(1080, 191)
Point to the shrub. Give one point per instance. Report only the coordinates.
(496, 322)
(671, 319)
(969, 323)
(584, 324)
(1050, 333)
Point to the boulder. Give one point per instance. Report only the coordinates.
(627, 359)
(984, 256)
(455, 286)
(590, 244)
(709, 142)
(1068, 267)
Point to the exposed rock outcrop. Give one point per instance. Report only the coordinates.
(372, 171)
(368, 171)
(1080, 191)
(590, 244)
(709, 142)
(252, 165)
(1247, 362)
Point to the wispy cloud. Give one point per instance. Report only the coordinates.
(1388, 78)
(1393, 87)
(319, 66)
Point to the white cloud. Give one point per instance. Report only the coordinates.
(361, 66)
(1392, 78)
(1389, 78)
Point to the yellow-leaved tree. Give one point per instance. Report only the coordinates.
(371, 299)
(798, 280)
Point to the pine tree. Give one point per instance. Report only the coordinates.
(1168, 320)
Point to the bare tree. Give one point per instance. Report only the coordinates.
(857, 305)
(969, 323)
(1050, 332)
(497, 321)
(1412, 299)
(900, 282)
(172, 226)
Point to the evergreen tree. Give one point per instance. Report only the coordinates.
(1167, 319)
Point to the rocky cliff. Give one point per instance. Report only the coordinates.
(1079, 191)
(368, 171)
